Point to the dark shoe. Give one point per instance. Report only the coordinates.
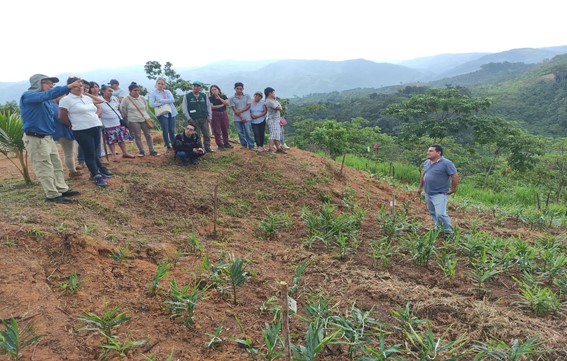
(106, 176)
(209, 150)
(194, 161)
(59, 199)
(153, 153)
(221, 148)
(280, 150)
(99, 180)
(227, 145)
(70, 193)
(141, 154)
(105, 171)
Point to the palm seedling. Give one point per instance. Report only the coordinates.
(11, 134)
(236, 273)
(13, 339)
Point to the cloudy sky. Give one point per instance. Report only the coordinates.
(53, 37)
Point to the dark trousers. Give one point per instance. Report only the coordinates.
(259, 133)
(219, 124)
(88, 139)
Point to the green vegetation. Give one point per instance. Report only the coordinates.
(14, 338)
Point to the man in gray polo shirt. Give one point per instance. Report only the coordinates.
(439, 179)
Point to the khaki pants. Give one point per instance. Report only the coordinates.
(204, 130)
(46, 164)
(136, 128)
(68, 147)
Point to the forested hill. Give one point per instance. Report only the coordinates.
(533, 94)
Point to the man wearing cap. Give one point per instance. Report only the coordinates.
(116, 91)
(39, 126)
(197, 108)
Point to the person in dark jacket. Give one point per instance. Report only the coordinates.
(188, 146)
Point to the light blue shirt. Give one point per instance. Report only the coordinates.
(257, 109)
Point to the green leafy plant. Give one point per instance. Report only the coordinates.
(426, 346)
(315, 342)
(483, 270)
(71, 284)
(193, 245)
(383, 352)
(447, 262)
(272, 340)
(298, 273)
(383, 251)
(273, 222)
(161, 272)
(246, 342)
(121, 348)
(500, 350)
(237, 275)
(183, 301)
(215, 337)
(122, 253)
(421, 248)
(13, 339)
(357, 327)
(11, 134)
(541, 300)
(106, 322)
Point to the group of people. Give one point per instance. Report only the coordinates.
(80, 110)
(85, 118)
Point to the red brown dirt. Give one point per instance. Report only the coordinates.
(152, 205)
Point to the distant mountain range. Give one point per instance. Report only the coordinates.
(296, 78)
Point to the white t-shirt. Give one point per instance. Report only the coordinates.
(82, 111)
(108, 116)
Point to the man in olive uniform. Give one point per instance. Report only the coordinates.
(197, 108)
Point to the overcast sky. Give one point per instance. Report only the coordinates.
(53, 37)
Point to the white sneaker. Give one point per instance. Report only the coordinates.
(260, 149)
(285, 146)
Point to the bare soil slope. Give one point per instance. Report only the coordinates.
(153, 206)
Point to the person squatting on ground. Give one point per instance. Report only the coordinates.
(38, 127)
(187, 145)
(438, 174)
(197, 108)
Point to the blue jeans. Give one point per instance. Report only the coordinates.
(282, 139)
(88, 139)
(437, 207)
(167, 123)
(187, 157)
(244, 131)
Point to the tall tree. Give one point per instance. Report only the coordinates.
(437, 114)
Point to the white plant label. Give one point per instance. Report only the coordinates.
(292, 304)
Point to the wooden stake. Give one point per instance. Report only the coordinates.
(285, 322)
(215, 211)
